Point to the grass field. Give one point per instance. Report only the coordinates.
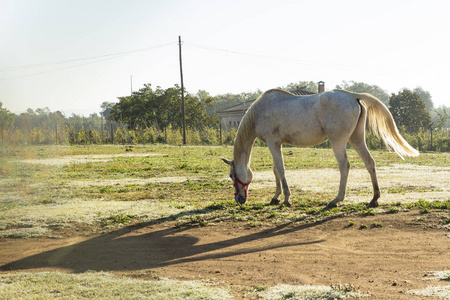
(56, 191)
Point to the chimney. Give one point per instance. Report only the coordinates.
(321, 86)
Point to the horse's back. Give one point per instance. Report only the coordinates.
(304, 120)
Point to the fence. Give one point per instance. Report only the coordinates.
(113, 133)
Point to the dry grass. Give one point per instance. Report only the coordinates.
(36, 220)
(306, 292)
(48, 187)
(92, 285)
(436, 292)
(441, 292)
(82, 159)
(411, 182)
(43, 188)
(441, 275)
(102, 285)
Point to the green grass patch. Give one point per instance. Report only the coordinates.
(350, 224)
(423, 204)
(121, 188)
(116, 219)
(392, 210)
(376, 225)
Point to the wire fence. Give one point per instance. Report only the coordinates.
(115, 133)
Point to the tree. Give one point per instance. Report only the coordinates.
(162, 108)
(41, 117)
(106, 109)
(361, 87)
(307, 85)
(226, 100)
(426, 97)
(409, 110)
(441, 116)
(6, 119)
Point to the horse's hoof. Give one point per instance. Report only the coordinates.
(287, 204)
(331, 205)
(372, 204)
(275, 201)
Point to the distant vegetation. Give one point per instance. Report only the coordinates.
(154, 115)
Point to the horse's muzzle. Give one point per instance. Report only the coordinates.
(240, 199)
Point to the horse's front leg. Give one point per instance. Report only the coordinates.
(275, 199)
(278, 165)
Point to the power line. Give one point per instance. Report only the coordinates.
(112, 55)
(240, 53)
(96, 59)
(336, 66)
(54, 70)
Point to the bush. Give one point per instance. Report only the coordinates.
(78, 135)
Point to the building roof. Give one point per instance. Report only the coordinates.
(302, 92)
(240, 108)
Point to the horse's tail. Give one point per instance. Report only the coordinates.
(383, 124)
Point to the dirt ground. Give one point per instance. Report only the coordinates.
(384, 261)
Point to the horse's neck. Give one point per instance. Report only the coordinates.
(243, 150)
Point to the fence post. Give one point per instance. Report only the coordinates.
(220, 132)
(431, 138)
(112, 134)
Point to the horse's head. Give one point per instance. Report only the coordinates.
(242, 177)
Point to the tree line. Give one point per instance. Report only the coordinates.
(154, 115)
(161, 108)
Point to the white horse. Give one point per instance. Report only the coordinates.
(278, 117)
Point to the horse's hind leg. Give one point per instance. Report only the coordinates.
(340, 153)
(360, 146)
(358, 142)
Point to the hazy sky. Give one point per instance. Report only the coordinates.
(74, 55)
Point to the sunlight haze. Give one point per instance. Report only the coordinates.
(74, 55)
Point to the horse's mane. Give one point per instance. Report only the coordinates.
(246, 128)
(277, 91)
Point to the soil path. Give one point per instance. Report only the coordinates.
(385, 262)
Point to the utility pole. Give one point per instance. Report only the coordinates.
(182, 93)
(131, 79)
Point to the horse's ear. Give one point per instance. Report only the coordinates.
(228, 162)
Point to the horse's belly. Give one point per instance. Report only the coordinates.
(304, 133)
(306, 138)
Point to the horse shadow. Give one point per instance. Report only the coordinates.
(147, 246)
